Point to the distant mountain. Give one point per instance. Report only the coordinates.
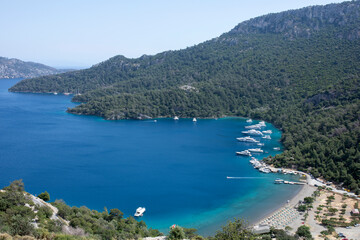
(298, 69)
(15, 68)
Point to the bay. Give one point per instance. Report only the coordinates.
(176, 169)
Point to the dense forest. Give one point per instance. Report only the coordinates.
(298, 69)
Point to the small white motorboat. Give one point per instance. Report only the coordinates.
(140, 212)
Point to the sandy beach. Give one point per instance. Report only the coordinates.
(287, 215)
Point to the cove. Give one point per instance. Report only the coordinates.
(176, 169)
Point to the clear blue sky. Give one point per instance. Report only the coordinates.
(80, 33)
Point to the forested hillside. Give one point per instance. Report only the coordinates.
(298, 69)
(20, 215)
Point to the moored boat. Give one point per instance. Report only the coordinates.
(176, 118)
(194, 120)
(244, 153)
(279, 181)
(266, 137)
(264, 170)
(140, 212)
(256, 150)
(247, 139)
(267, 131)
(255, 126)
(252, 132)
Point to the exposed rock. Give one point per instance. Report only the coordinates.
(305, 21)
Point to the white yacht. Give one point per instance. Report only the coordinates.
(276, 148)
(244, 153)
(176, 118)
(278, 181)
(266, 137)
(255, 126)
(262, 123)
(194, 120)
(267, 132)
(247, 139)
(140, 212)
(252, 132)
(55, 93)
(249, 120)
(264, 170)
(256, 163)
(256, 150)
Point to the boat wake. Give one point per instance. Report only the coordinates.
(244, 177)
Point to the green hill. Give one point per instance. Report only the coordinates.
(298, 69)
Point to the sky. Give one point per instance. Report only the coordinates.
(81, 33)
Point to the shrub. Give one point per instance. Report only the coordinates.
(236, 230)
(45, 211)
(308, 200)
(5, 236)
(44, 196)
(176, 233)
(302, 208)
(190, 233)
(304, 231)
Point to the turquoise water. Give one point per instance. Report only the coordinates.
(176, 169)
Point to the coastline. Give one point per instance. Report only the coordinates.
(236, 161)
(286, 214)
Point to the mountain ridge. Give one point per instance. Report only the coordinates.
(314, 17)
(344, 16)
(16, 68)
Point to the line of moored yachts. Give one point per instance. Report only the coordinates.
(265, 134)
(253, 132)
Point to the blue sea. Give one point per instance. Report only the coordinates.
(176, 169)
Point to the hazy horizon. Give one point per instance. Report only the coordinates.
(79, 34)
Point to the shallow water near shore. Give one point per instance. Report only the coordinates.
(176, 169)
